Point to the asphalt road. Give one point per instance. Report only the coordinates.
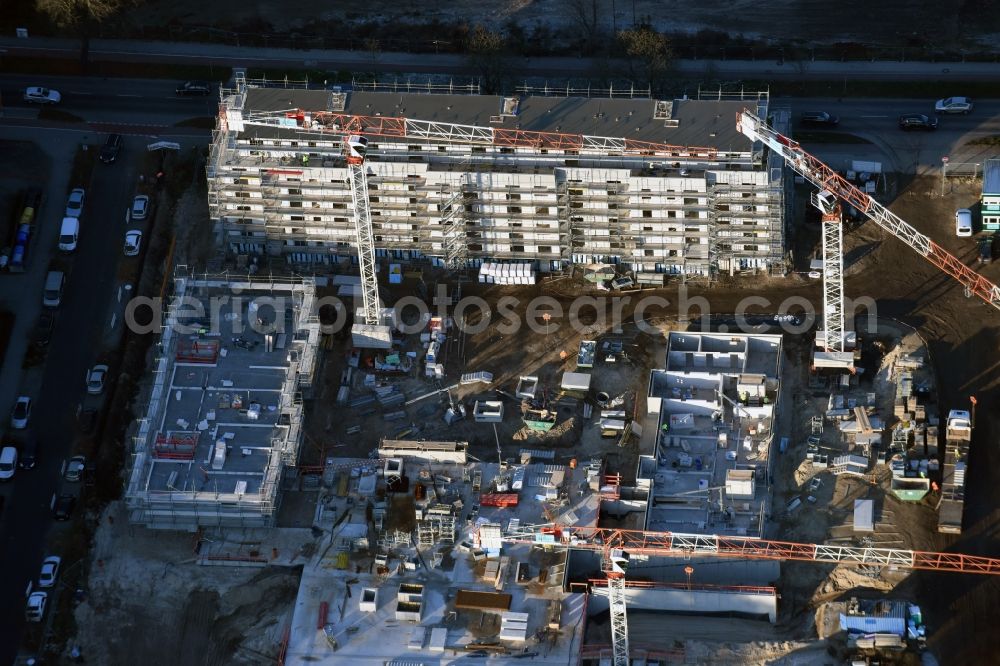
(149, 107)
(81, 317)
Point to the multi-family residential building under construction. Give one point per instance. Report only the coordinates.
(657, 186)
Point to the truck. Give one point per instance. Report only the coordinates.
(16, 256)
(958, 435)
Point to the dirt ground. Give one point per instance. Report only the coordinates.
(890, 22)
(166, 610)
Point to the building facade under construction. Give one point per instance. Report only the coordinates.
(656, 186)
(224, 414)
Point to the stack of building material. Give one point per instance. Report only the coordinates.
(864, 515)
(513, 626)
(439, 638)
(476, 378)
(389, 396)
(497, 273)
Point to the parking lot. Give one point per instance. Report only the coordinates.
(62, 414)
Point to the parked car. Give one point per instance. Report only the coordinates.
(74, 205)
(917, 121)
(133, 239)
(35, 609)
(963, 222)
(27, 455)
(818, 119)
(40, 95)
(50, 571)
(140, 208)
(62, 506)
(87, 420)
(193, 88)
(42, 334)
(21, 413)
(815, 483)
(112, 147)
(95, 379)
(73, 468)
(52, 292)
(69, 234)
(8, 463)
(953, 105)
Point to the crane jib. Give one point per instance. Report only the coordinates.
(825, 178)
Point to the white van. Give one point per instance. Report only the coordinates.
(69, 234)
(8, 463)
(52, 295)
(963, 222)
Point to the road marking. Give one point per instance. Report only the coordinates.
(124, 95)
(874, 116)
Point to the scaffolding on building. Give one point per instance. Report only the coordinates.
(199, 501)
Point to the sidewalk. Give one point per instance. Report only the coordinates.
(223, 55)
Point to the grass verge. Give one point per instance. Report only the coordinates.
(136, 70)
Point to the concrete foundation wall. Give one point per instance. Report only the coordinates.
(691, 601)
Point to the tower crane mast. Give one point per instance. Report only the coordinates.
(826, 179)
(355, 149)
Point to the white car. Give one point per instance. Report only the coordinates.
(73, 468)
(133, 238)
(963, 222)
(21, 413)
(95, 379)
(40, 95)
(8, 463)
(140, 208)
(953, 105)
(50, 571)
(74, 205)
(35, 610)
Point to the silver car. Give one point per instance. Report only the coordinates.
(953, 105)
(74, 205)
(95, 379)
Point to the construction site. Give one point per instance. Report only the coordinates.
(442, 486)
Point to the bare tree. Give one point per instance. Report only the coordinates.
(585, 14)
(487, 53)
(81, 15)
(649, 54)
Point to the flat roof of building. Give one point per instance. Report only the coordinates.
(223, 415)
(695, 123)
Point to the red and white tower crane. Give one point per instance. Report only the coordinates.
(617, 545)
(828, 180)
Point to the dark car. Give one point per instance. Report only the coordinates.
(87, 420)
(918, 121)
(112, 147)
(43, 329)
(62, 506)
(818, 119)
(193, 88)
(27, 453)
